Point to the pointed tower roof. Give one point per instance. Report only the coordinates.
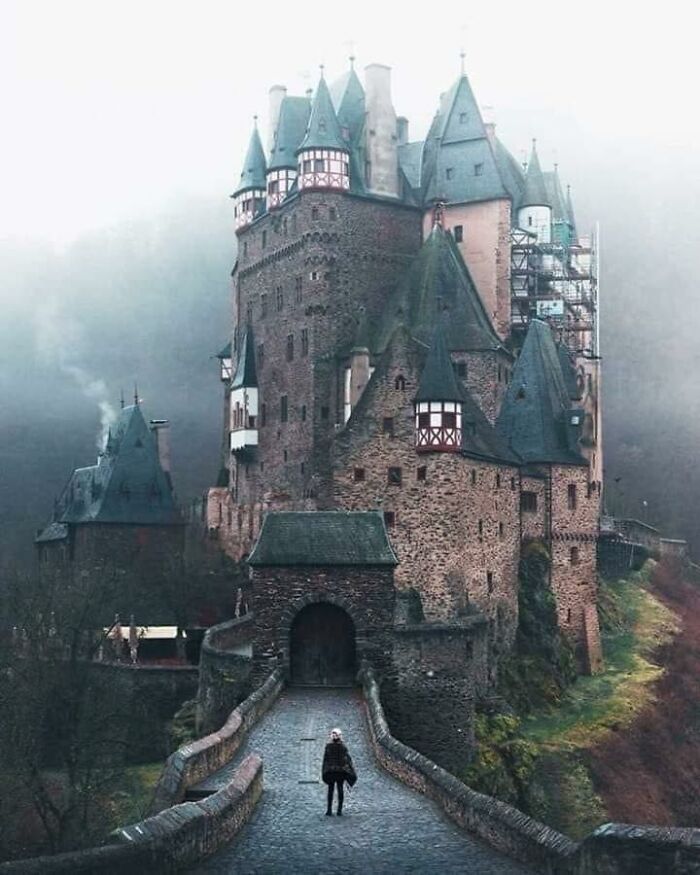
(459, 165)
(246, 372)
(533, 418)
(535, 194)
(323, 131)
(437, 380)
(349, 102)
(127, 485)
(291, 127)
(254, 166)
(570, 213)
(438, 282)
(556, 195)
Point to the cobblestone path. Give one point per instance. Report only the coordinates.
(385, 827)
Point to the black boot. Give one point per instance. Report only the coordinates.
(329, 813)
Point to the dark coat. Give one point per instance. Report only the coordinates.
(337, 764)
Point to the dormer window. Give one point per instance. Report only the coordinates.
(478, 170)
(463, 118)
(449, 172)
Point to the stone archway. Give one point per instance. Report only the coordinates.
(322, 649)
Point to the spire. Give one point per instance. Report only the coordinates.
(254, 166)
(535, 194)
(323, 131)
(437, 380)
(293, 120)
(570, 213)
(246, 373)
(136, 395)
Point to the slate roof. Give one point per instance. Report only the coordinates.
(511, 173)
(52, 532)
(533, 417)
(410, 160)
(246, 371)
(225, 353)
(535, 194)
(459, 165)
(568, 371)
(348, 97)
(127, 485)
(254, 166)
(556, 196)
(437, 380)
(438, 281)
(291, 128)
(570, 213)
(323, 131)
(323, 538)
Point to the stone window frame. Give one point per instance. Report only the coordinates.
(489, 581)
(304, 342)
(298, 287)
(388, 425)
(389, 518)
(528, 501)
(571, 497)
(279, 297)
(472, 476)
(290, 348)
(574, 557)
(284, 408)
(263, 305)
(458, 233)
(501, 531)
(358, 475)
(422, 473)
(394, 475)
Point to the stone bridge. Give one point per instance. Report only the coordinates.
(386, 827)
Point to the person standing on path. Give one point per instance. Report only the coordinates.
(337, 768)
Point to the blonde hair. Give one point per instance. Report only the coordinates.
(337, 732)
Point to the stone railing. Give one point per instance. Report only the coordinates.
(624, 849)
(167, 842)
(199, 759)
(225, 667)
(500, 825)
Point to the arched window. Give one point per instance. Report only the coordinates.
(400, 382)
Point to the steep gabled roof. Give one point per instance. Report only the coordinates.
(535, 194)
(437, 380)
(127, 485)
(323, 131)
(533, 418)
(323, 538)
(438, 282)
(246, 371)
(291, 128)
(254, 166)
(568, 371)
(410, 160)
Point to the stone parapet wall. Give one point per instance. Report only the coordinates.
(167, 842)
(499, 824)
(624, 849)
(194, 762)
(224, 671)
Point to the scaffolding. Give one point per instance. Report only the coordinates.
(558, 283)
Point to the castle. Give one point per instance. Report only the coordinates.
(411, 394)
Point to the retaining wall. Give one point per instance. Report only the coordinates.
(166, 842)
(502, 826)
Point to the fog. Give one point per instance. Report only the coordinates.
(124, 128)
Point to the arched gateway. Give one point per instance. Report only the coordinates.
(322, 646)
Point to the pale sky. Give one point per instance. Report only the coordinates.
(109, 110)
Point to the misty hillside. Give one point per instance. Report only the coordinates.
(149, 302)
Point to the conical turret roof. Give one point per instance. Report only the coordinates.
(291, 128)
(437, 380)
(323, 131)
(254, 166)
(555, 195)
(246, 371)
(533, 418)
(349, 101)
(535, 194)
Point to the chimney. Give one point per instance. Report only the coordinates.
(402, 130)
(277, 95)
(160, 429)
(381, 128)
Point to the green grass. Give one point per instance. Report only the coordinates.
(132, 796)
(635, 623)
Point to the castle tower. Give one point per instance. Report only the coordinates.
(249, 197)
(438, 402)
(244, 397)
(381, 131)
(323, 156)
(291, 125)
(535, 212)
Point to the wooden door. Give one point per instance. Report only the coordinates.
(322, 647)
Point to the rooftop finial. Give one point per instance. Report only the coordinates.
(556, 167)
(255, 121)
(352, 62)
(321, 67)
(121, 398)
(534, 143)
(136, 395)
(462, 56)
